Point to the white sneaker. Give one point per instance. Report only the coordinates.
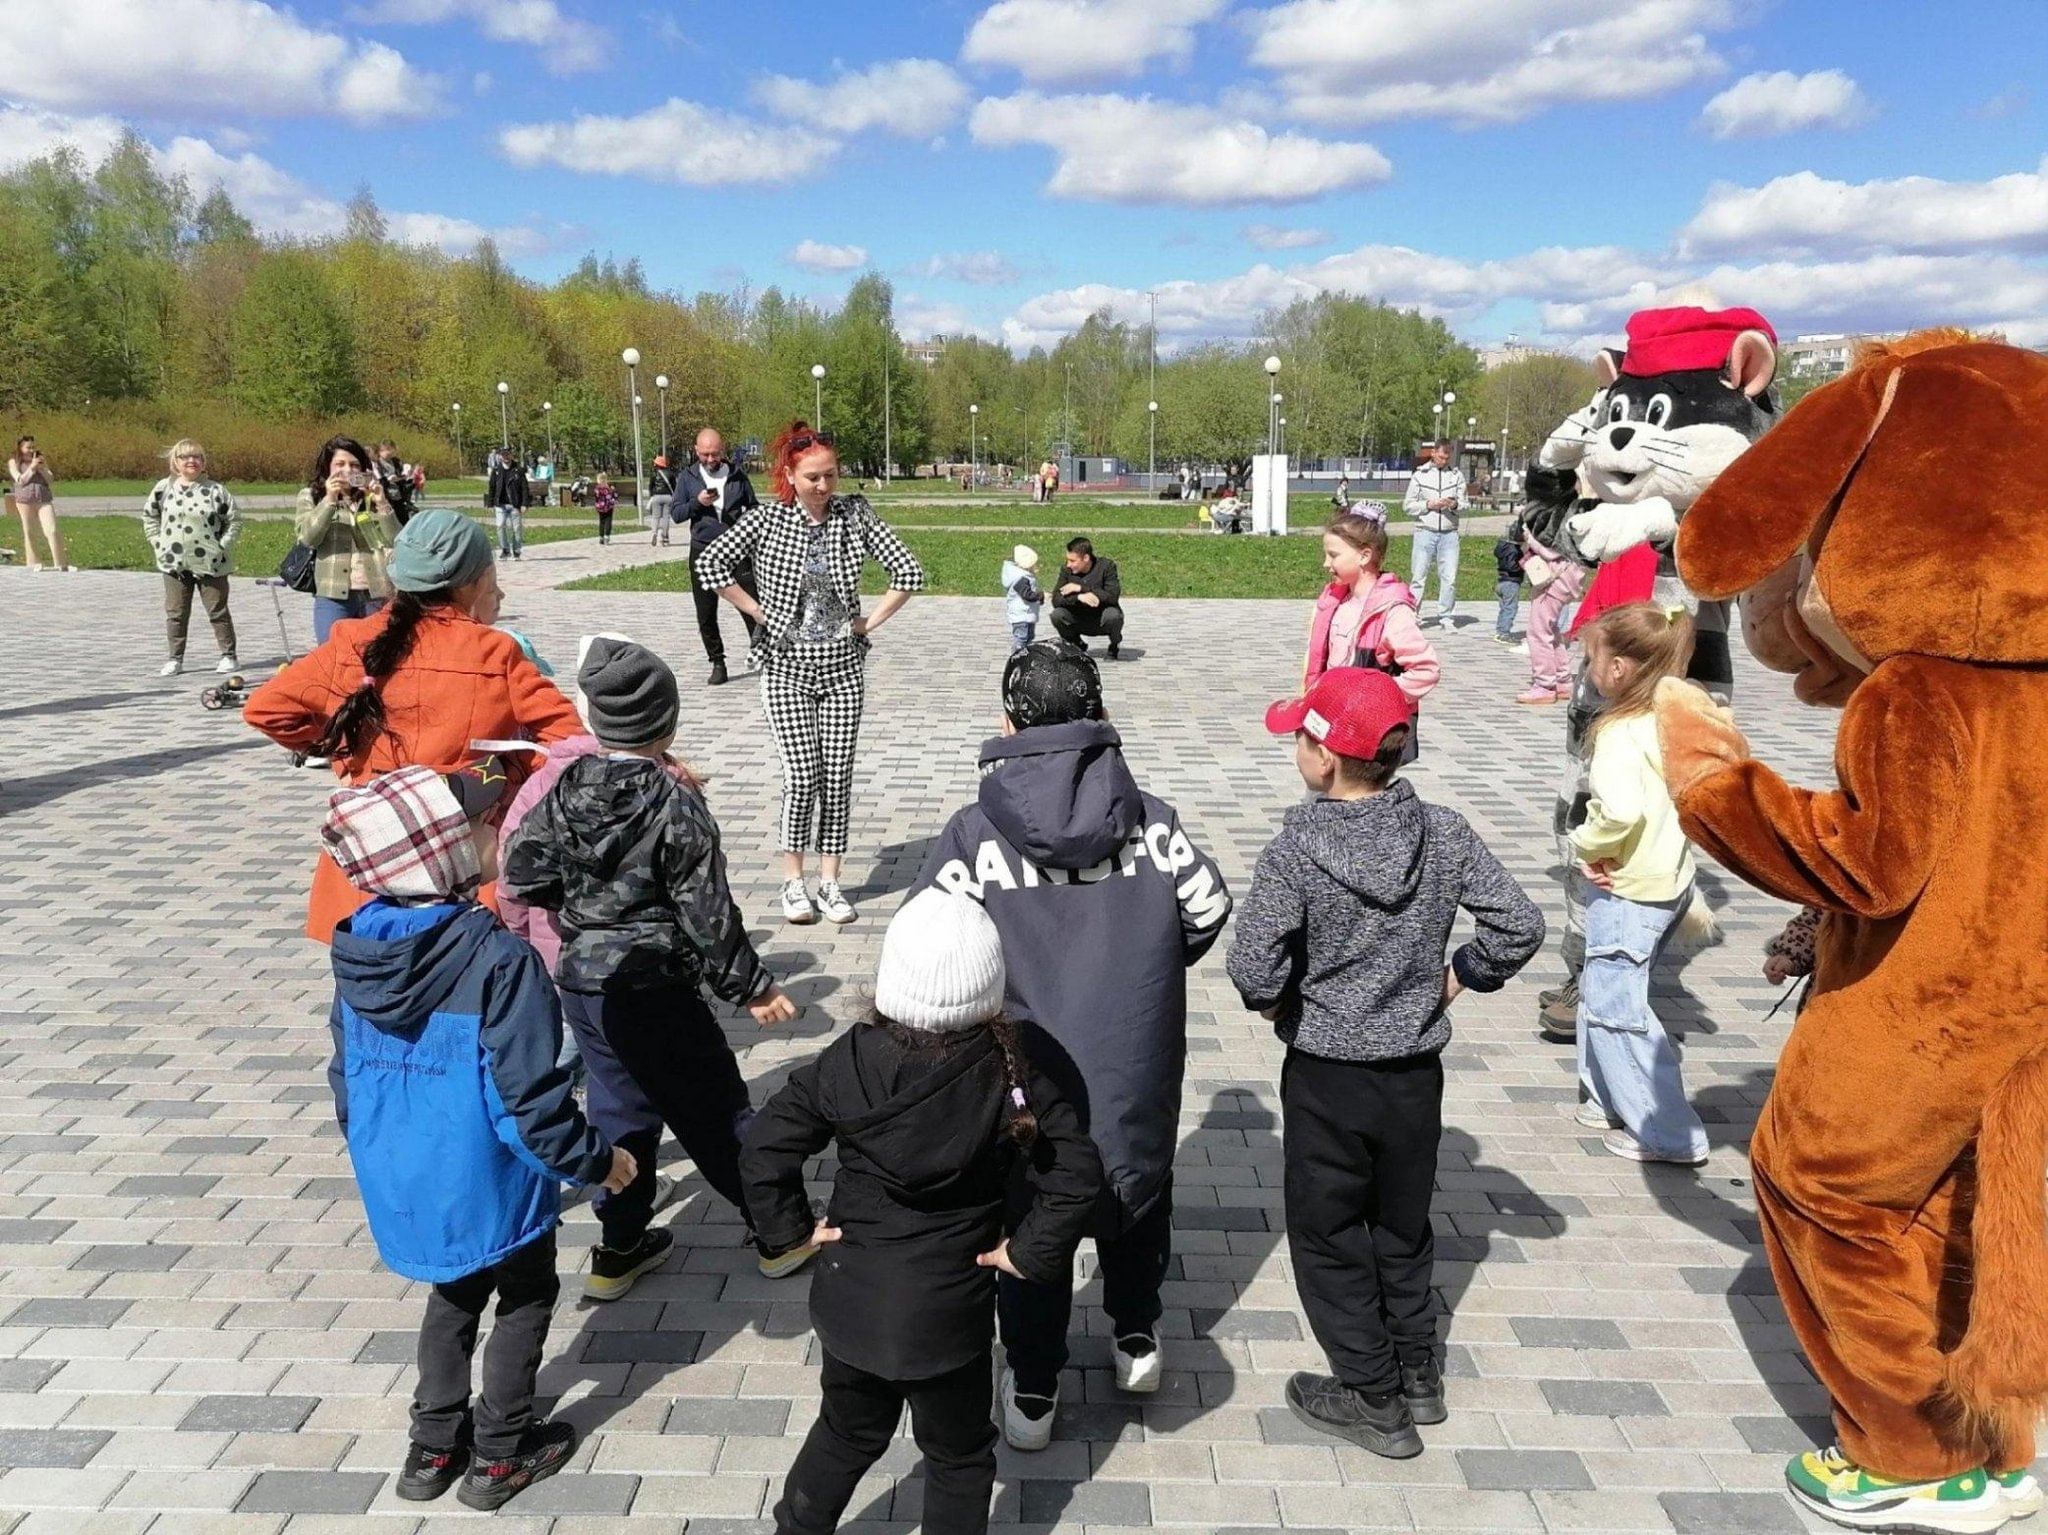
(1622, 1144)
(228, 664)
(1021, 1431)
(834, 904)
(1141, 1368)
(796, 902)
(1594, 1117)
(170, 668)
(311, 761)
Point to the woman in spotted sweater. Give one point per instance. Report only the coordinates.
(191, 522)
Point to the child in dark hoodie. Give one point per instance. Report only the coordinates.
(460, 1125)
(1341, 943)
(935, 1110)
(1103, 903)
(627, 858)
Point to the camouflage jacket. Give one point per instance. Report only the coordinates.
(628, 861)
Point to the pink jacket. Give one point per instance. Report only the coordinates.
(535, 926)
(1397, 636)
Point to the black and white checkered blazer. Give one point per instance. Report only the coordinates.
(777, 540)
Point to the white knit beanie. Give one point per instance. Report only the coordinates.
(942, 964)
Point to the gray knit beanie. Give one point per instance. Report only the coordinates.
(942, 964)
(629, 694)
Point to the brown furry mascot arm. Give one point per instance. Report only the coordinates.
(1864, 849)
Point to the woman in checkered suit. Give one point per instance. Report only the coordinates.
(808, 550)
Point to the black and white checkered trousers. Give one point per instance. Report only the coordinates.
(813, 700)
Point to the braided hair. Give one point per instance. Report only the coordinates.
(360, 719)
(1020, 1124)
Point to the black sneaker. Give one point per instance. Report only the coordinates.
(429, 1473)
(1380, 1422)
(612, 1273)
(1422, 1388)
(1115, 649)
(494, 1483)
(718, 677)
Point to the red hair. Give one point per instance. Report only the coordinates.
(783, 454)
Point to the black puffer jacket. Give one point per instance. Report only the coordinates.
(628, 861)
(926, 1168)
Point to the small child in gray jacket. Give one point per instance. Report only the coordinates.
(1341, 943)
(1022, 596)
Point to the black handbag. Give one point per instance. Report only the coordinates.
(298, 567)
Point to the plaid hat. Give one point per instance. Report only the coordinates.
(406, 835)
(1051, 682)
(1350, 710)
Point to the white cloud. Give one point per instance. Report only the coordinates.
(988, 269)
(1760, 106)
(814, 256)
(1065, 42)
(918, 317)
(1805, 213)
(678, 141)
(1480, 61)
(29, 133)
(1135, 150)
(565, 43)
(914, 98)
(239, 57)
(1271, 237)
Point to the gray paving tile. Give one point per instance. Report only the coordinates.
(1566, 1332)
(67, 1311)
(1730, 1513)
(311, 1492)
(122, 1258)
(54, 1447)
(748, 1417)
(1523, 1470)
(250, 1414)
(1605, 1398)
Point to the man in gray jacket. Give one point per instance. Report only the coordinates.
(1435, 500)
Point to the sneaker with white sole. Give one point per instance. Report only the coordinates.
(796, 903)
(2022, 1493)
(1139, 1363)
(227, 664)
(1594, 1117)
(1623, 1144)
(1830, 1485)
(833, 903)
(170, 668)
(1027, 1420)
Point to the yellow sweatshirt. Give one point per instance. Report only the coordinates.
(1631, 820)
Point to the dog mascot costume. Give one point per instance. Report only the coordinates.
(1899, 1159)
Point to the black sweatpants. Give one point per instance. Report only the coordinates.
(1360, 1141)
(1132, 1257)
(1076, 624)
(657, 1057)
(526, 1286)
(949, 1418)
(708, 603)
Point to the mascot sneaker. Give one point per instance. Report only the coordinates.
(2022, 1494)
(1838, 1490)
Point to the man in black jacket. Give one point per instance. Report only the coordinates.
(506, 490)
(713, 494)
(396, 477)
(1103, 902)
(1089, 598)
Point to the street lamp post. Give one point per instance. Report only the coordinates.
(888, 346)
(818, 395)
(1273, 437)
(973, 446)
(547, 414)
(1152, 446)
(661, 390)
(631, 358)
(1152, 405)
(455, 409)
(504, 415)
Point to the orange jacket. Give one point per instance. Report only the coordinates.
(464, 681)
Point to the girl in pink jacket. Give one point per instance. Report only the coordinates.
(1366, 617)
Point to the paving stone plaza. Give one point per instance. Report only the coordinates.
(196, 1334)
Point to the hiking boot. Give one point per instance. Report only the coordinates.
(718, 678)
(1027, 1420)
(1139, 1364)
(543, 1451)
(1422, 1388)
(1829, 1484)
(427, 1473)
(1380, 1422)
(612, 1272)
(1558, 1020)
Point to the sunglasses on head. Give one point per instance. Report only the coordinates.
(803, 442)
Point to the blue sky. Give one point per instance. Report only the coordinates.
(1535, 166)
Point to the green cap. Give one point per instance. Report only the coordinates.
(438, 549)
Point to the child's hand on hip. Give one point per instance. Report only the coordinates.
(624, 1170)
(1453, 987)
(1601, 874)
(823, 1233)
(773, 1006)
(999, 1259)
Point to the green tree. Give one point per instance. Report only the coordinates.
(293, 352)
(1527, 398)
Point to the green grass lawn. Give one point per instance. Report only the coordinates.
(452, 489)
(966, 564)
(114, 542)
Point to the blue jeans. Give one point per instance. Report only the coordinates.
(1440, 550)
(1627, 1063)
(357, 604)
(511, 530)
(1021, 635)
(1510, 603)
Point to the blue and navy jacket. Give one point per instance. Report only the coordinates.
(461, 1126)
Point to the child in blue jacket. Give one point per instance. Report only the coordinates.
(460, 1124)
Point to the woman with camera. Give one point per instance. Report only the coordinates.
(28, 478)
(347, 521)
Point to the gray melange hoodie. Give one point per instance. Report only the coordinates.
(1350, 912)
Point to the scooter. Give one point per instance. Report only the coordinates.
(233, 692)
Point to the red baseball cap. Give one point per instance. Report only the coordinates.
(1350, 710)
(1672, 340)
